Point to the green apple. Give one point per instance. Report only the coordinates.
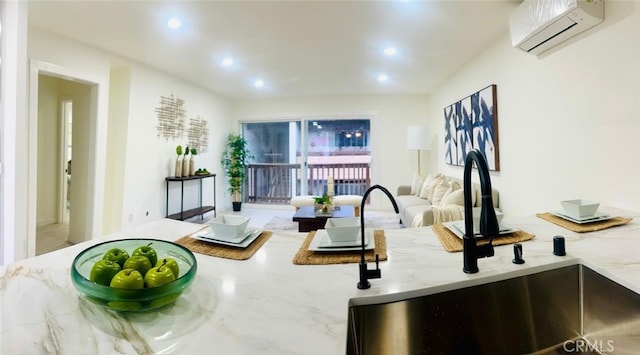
(172, 264)
(158, 276)
(128, 278)
(138, 262)
(124, 305)
(116, 254)
(148, 251)
(103, 271)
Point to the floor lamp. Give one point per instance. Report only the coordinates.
(417, 140)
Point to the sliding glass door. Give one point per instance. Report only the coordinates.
(298, 158)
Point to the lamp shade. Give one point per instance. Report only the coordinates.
(417, 138)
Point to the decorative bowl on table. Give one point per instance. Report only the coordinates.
(341, 230)
(579, 208)
(133, 299)
(229, 226)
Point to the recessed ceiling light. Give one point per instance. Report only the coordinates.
(258, 83)
(174, 23)
(383, 77)
(227, 62)
(390, 51)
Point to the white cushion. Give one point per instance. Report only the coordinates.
(417, 183)
(428, 186)
(439, 191)
(454, 198)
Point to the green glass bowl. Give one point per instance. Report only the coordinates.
(139, 300)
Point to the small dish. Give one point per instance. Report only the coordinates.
(322, 243)
(343, 230)
(242, 242)
(457, 227)
(598, 217)
(229, 227)
(578, 209)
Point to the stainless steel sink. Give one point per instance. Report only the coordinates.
(567, 309)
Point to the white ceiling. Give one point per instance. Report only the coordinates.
(299, 48)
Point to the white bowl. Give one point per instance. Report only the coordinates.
(579, 208)
(343, 229)
(229, 226)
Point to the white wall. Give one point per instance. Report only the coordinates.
(568, 125)
(150, 158)
(392, 163)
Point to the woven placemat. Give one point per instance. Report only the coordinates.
(304, 256)
(224, 251)
(452, 243)
(585, 227)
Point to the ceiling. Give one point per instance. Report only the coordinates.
(298, 48)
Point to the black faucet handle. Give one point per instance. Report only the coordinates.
(485, 250)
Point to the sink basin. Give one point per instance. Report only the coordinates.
(549, 310)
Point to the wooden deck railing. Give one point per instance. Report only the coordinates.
(275, 183)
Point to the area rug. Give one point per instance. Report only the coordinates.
(287, 224)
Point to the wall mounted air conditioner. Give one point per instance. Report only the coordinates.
(538, 25)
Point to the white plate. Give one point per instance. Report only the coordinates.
(457, 227)
(227, 238)
(321, 242)
(598, 217)
(242, 242)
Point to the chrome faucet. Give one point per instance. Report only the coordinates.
(488, 221)
(366, 274)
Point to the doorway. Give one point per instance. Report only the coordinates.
(63, 120)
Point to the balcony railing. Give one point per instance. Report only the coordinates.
(277, 183)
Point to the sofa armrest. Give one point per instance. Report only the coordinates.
(404, 190)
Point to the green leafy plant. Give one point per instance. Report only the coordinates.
(235, 158)
(186, 151)
(323, 200)
(179, 150)
(194, 151)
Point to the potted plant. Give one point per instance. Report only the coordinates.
(192, 162)
(234, 161)
(185, 163)
(178, 171)
(323, 203)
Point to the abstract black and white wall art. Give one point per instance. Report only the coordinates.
(472, 123)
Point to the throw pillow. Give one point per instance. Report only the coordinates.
(438, 192)
(417, 183)
(440, 180)
(428, 186)
(454, 198)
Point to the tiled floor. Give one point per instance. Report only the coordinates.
(53, 237)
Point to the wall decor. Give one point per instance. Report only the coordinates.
(470, 123)
(197, 134)
(172, 115)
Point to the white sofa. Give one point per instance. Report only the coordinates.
(436, 199)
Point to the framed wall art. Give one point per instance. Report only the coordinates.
(470, 123)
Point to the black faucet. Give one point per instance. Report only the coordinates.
(488, 221)
(366, 274)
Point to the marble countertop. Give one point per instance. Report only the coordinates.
(266, 304)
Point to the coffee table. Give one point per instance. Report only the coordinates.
(308, 220)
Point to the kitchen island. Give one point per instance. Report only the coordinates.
(266, 304)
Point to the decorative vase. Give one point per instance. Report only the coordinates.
(185, 167)
(178, 171)
(192, 166)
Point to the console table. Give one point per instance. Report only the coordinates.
(201, 210)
